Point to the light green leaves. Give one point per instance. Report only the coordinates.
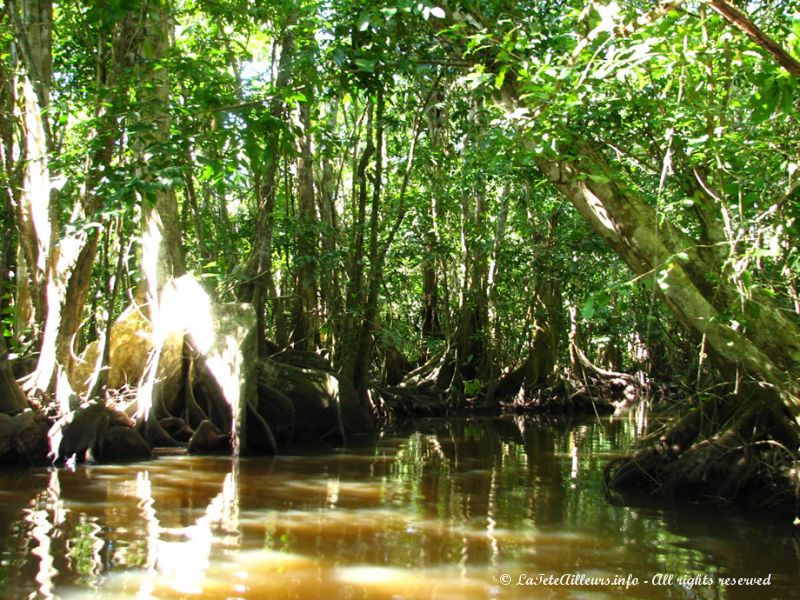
(366, 64)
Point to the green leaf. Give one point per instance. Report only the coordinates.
(498, 80)
(598, 178)
(587, 311)
(367, 64)
(472, 386)
(697, 141)
(596, 303)
(363, 21)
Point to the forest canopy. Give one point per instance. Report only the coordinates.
(441, 205)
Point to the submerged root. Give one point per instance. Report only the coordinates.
(722, 455)
(422, 400)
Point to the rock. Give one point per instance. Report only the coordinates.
(209, 440)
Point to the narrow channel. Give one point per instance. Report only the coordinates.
(510, 507)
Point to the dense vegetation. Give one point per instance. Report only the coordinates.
(433, 205)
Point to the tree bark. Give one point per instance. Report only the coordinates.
(46, 260)
(766, 350)
(329, 286)
(326, 406)
(431, 321)
(544, 312)
(110, 72)
(261, 285)
(471, 331)
(12, 398)
(305, 328)
(490, 366)
(356, 292)
(431, 326)
(743, 23)
(33, 40)
(370, 315)
(162, 257)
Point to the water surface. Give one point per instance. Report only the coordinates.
(482, 508)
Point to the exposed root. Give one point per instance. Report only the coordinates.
(422, 400)
(719, 452)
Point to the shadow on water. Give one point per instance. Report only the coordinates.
(469, 508)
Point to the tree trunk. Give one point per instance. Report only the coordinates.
(544, 314)
(110, 71)
(350, 336)
(35, 213)
(326, 406)
(367, 326)
(305, 328)
(742, 22)
(766, 350)
(261, 284)
(545, 311)
(432, 259)
(12, 398)
(431, 321)
(470, 337)
(490, 367)
(329, 286)
(431, 327)
(162, 260)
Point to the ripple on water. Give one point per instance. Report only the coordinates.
(439, 515)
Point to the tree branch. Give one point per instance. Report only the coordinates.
(742, 22)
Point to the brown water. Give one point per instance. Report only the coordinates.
(442, 509)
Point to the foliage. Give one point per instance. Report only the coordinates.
(682, 106)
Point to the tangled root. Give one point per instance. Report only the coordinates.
(742, 463)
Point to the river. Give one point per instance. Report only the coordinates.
(508, 507)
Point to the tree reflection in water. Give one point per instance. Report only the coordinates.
(438, 508)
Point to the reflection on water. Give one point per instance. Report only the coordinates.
(443, 509)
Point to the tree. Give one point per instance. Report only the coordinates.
(751, 338)
(414, 195)
(260, 284)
